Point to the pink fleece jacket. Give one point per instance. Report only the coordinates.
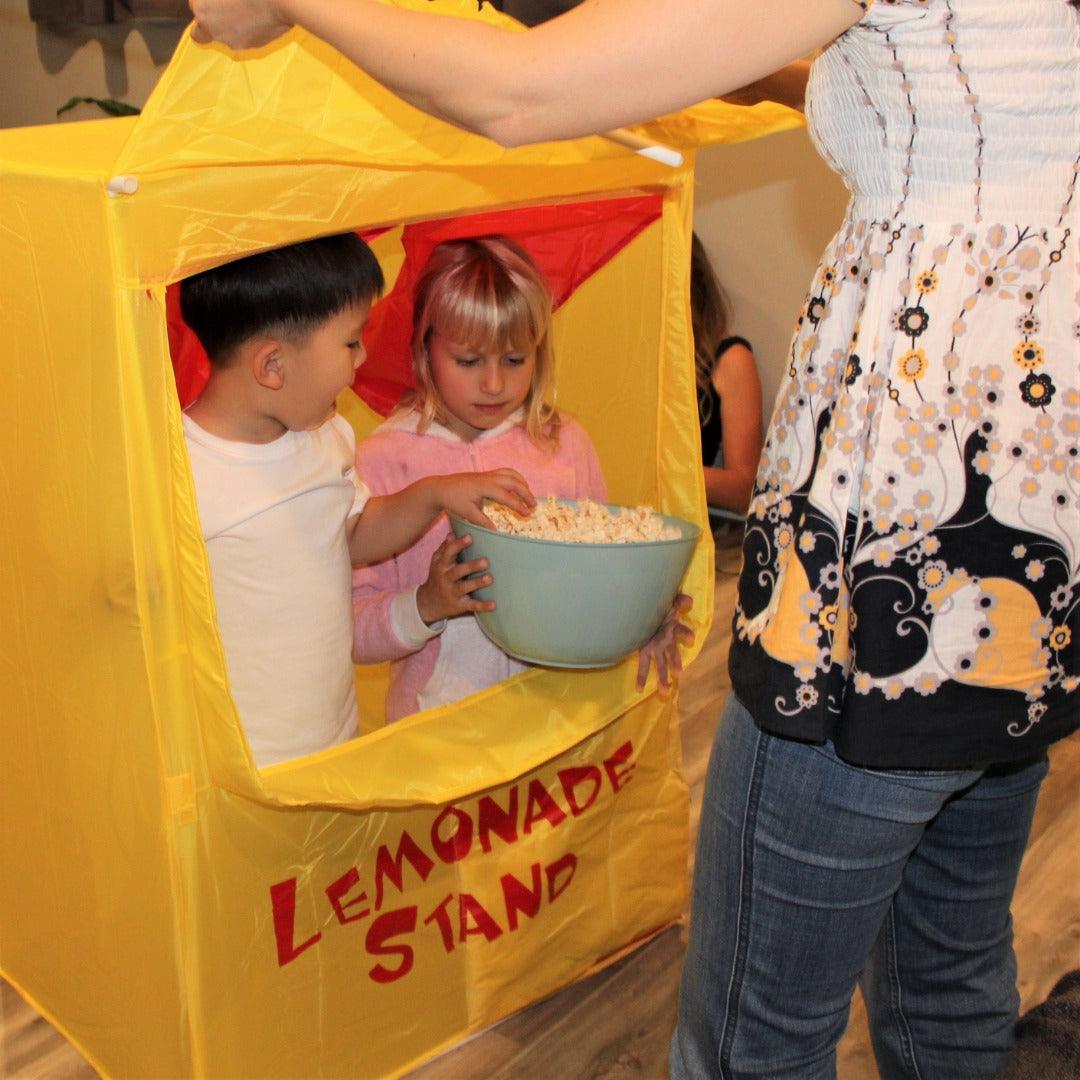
(436, 665)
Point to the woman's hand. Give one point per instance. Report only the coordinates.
(464, 493)
(448, 590)
(240, 24)
(663, 646)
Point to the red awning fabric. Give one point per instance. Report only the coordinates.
(568, 241)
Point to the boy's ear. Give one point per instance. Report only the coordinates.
(265, 360)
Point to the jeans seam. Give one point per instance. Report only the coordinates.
(746, 875)
(903, 1029)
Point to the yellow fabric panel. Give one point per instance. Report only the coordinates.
(712, 122)
(322, 1013)
(87, 872)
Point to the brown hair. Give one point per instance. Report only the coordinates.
(487, 292)
(708, 318)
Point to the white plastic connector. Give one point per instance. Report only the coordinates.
(122, 185)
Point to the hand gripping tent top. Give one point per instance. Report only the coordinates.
(175, 911)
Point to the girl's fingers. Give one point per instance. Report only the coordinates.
(643, 659)
(465, 586)
(662, 669)
(459, 570)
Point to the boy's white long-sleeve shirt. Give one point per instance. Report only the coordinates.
(436, 665)
(273, 516)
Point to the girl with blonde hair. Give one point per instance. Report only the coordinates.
(484, 372)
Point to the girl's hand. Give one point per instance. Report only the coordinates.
(663, 646)
(447, 591)
(464, 493)
(240, 24)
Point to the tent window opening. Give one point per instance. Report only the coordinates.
(572, 244)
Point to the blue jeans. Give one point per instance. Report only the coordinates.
(813, 875)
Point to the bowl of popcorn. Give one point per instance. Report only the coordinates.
(578, 584)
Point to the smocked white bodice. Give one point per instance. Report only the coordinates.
(943, 110)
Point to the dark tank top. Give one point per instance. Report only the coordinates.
(712, 433)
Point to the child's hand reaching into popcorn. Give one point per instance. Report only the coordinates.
(663, 647)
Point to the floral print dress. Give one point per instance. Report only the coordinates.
(911, 576)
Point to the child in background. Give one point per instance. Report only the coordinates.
(484, 372)
(282, 511)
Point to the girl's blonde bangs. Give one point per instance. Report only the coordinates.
(481, 315)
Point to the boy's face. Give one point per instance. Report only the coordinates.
(320, 367)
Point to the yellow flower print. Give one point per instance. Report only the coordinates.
(1028, 354)
(1060, 637)
(863, 683)
(927, 281)
(883, 556)
(827, 617)
(893, 689)
(807, 541)
(927, 683)
(913, 364)
(1028, 258)
(933, 575)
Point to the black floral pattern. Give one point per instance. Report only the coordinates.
(911, 571)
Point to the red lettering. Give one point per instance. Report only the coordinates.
(460, 841)
(553, 870)
(494, 819)
(483, 923)
(336, 890)
(386, 926)
(611, 766)
(520, 898)
(541, 805)
(392, 868)
(572, 778)
(441, 917)
(283, 904)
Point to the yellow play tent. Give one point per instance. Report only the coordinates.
(171, 909)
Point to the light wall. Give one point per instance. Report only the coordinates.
(764, 211)
(44, 66)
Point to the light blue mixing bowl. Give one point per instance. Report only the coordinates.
(570, 605)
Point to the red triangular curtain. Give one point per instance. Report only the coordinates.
(569, 242)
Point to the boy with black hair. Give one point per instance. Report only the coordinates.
(282, 511)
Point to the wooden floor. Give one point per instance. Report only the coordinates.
(616, 1025)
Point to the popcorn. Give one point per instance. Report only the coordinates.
(586, 523)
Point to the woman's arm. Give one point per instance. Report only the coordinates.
(601, 65)
(736, 380)
(787, 86)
